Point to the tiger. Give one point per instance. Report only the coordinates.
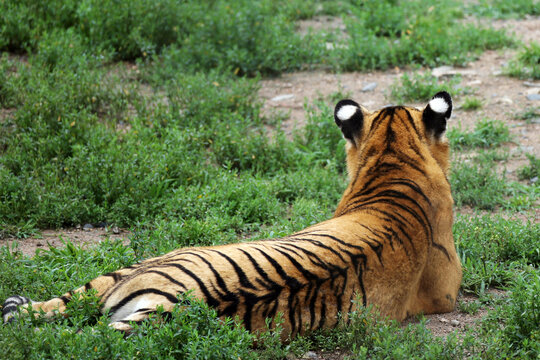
(388, 245)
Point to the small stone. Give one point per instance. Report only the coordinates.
(310, 355)
(369, 87)
(474, 82)
(88, 227)
(443, 320)
(534, 180)
(115, 230)
(533, 97)
(506, 100)
(454, 322)
(78, 227)
(441, 70)
(530, 84)
(283, 97)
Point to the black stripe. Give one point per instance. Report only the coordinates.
(208, 297)
(141, 292)
(168, 277)
(261, 272)
(244, 280)
(321, 245)
(8, 309)
(114, 275)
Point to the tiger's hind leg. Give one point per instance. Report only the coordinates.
(125, 324)
(101, 284)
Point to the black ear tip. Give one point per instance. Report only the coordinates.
(441, 103)
(345, 110)
(443, 95)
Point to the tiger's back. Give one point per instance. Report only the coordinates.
(389, 243)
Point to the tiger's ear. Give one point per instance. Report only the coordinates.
(349, 117)
(437, 113)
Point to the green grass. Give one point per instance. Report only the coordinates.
(531, 171)
(487, 133)
(471, 103)
(419, 87)
(526, 64)
(501, 9)
(147, 117)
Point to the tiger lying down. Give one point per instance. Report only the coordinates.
(389, 243)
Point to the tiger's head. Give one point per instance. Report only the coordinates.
(397, 142)
(408, 131)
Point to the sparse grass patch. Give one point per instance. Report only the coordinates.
(529, 114)
(471, 103)
(505, 8)
(492, 249)
(392, 33)
(528, 172)
(421, 87)
(487, 133)
(527, 62)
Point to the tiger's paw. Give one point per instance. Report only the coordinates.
(122, 326)
(9, 309)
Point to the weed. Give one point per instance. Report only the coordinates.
(421, 87)
(470, 307)
(505, 8)
(529, 114)
(526, 64)
(492, 248)
(471, 103)
(487, 133)
(531, 171)
(391, 33)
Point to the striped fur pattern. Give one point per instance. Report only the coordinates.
(389, 243)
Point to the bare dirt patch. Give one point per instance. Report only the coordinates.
(57, 238)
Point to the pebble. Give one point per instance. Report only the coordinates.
(283, 97)
(369, 87)
(441, 70)
(443, 320)
(450, 71)
(310, 355)
(534, 180)
(115, 230)
(88, 227)
(474, 82)
(454, 322)
(533, 97)
(530, 84)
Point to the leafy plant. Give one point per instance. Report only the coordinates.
(528, 172)
(525, 64)
(471, 103)
(421, 87)
(486, 133)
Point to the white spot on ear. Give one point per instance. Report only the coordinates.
(439, 105)
(346, 112)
